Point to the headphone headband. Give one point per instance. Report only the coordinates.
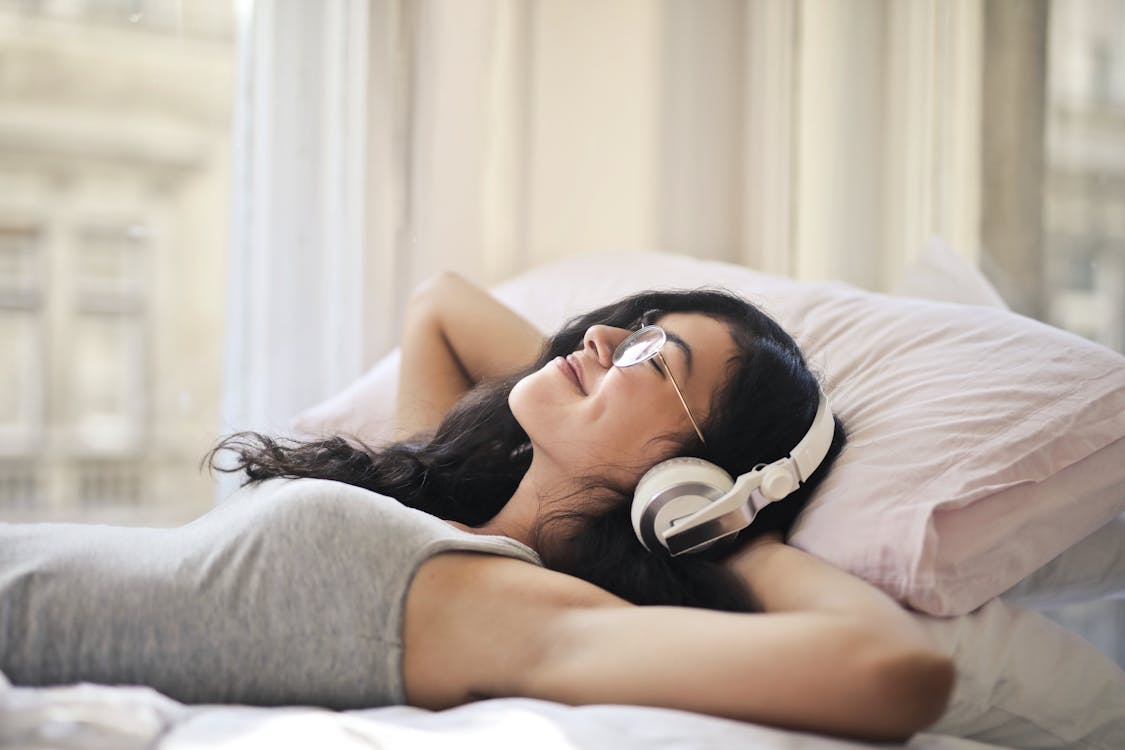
(810, 452)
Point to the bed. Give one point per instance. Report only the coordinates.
(90, 717)
(985, 477)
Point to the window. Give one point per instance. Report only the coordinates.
(113, 231)
(110, 391)
(1084, 181)
(21, 354)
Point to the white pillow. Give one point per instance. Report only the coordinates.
(981, 443)
(1092, 569)
(940, 274)
(1025, 682)
(364, 411)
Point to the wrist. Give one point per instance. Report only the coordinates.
(768, 537)
(747, 560)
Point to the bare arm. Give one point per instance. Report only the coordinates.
(455, 335)
(479, 626)
(785, 579)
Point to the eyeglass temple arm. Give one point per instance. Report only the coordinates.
(680, 395)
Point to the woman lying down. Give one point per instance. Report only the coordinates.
(540, 492)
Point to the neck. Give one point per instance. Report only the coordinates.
(520, 517)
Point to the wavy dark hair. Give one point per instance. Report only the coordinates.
(472, 464)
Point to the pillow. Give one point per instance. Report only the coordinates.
(1092, 569)
(981, 443)
(940, 274)
(1025, 682)
(364, 411)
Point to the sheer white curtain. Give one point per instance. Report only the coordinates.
(297, 257)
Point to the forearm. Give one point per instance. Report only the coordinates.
(455, 335)
(486, 338)
(806, 671)
(431, 379)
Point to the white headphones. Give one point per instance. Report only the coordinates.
(688, 504)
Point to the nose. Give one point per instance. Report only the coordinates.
(601, 341)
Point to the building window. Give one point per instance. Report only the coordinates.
(21, 488)
(21, 338)
(111, 391)
(1084, 181)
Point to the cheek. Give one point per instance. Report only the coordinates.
(630, 418)
(619, 423)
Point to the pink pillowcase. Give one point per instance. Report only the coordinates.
(981, 443)
(958, 417)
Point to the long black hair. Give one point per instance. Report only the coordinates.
(472, 464)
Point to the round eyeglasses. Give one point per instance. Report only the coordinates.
(641, 346)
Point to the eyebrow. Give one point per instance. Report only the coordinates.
(684, 346)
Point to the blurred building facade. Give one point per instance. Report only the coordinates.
(114, 139)
(1084, 184)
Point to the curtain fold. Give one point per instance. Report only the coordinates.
(296, 281)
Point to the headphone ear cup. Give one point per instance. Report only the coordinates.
(672, 490)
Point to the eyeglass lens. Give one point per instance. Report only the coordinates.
(639, 346)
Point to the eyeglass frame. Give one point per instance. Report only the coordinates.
(657, 353)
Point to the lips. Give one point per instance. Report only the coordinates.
(572, 369)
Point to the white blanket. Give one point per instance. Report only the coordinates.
(95, 717)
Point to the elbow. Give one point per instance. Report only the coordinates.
(433, 288)
(914, 686)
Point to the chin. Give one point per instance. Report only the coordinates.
(517, 396)
(536, 404)
(523, 400)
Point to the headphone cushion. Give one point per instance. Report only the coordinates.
(691, 482)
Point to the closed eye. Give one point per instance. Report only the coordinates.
(659, 369)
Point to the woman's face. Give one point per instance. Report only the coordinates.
(587, 416)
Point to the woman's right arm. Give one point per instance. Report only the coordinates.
(495, 627)
(455, 335)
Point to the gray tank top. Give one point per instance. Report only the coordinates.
(289, 592)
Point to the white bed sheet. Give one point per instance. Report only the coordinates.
(96, 717)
